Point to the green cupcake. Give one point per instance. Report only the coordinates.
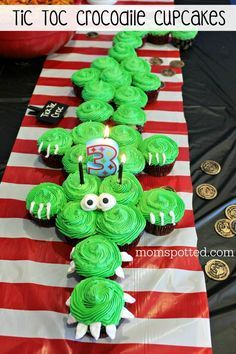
(87, 131)
(126, 136)
(135, 161)
(55, 141)
(128, 37)
(83, 76)
(136, 65)
(45, 201)
(103, 63)
(130, 115)
(184, 35)
(95, 111)
(121, 51)
(117, 77)
(100, 90)
(75, 191)
(146, 81)
(71, 157)
(129, 192)
(130, 95)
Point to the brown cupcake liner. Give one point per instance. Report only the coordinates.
(42, 222)
(180, 44)
(54, 161)
(158, 171)
(77, 90)
(71, 241)
(159, 40)
(127, 248)
(112, 277)
(152, 95)
(159, 230)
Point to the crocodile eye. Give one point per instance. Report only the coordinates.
(89, 202)
(106, 201)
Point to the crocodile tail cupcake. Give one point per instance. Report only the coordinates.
(160, 153)
(130, 95)
(100, 90)
(44, 202)
(82, 77)
(97, 305)
(98, 256)
(116, 77)
(162, 209)
(94, 111)
(135, 161)
(71, 158)
(125, 136)
(136, 65)
(183, 39)
(121, 51)
(129, 37)
(130, 115)
(87, 131)
(103, 63)
(52, 145)
(158, 37)
(149, 83)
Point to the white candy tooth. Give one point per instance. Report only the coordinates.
(129, 299)
(68, 302)
(81, 330)
(95, 329)
(111, 331)
(72, 252)
(126, 313)
(126, 257)
(71, 268)
(119, 272)
(71, 319)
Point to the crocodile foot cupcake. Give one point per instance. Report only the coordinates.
(116, 77)
(162, 209)
(71, 158)
(94, 111)
(82, 77)
(44, 202)
(136, 65)
(97, 256)
(130, 38)
(183, 39)
(52, 145)
(130, 115)
(158, 37)
(98, 305)
(130, 95)
(149, 83)
(103, 63)
(87, 131)
(121, 51)
(135, 161)
(126, 136)
(160, 153)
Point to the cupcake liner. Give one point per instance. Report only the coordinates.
(180, 44)
(77, 90)
(112, 277)
(54, 161)
(158, 230)
(159, 40)
(71, 241)
(41, 222)
(158, 171)
(152, 95)
(127, 247)
(140, 128)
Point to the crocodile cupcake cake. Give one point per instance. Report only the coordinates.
(94, 111)
(130, 115)
(82, 77)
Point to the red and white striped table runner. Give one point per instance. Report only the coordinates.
(171, 308)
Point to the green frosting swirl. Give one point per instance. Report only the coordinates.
(129, 192)
(76, 223)
(121, 224)
(96, 256)
(97, 300)
(103, 63)
(164, 201)
(163, 150)
(83, 76)
(159, 33)
(184, 35)
(130, 95)
(45, 193)
(117, 77)
(128, 37)
(94, 110)
(135, 161)
(75, 191)
(125, 135)
(100, 90)
(71, 157)
(129, 114)
(87, 131)
(146, 81)
(59, 140)
(136, 64)
(121, 50)
(140, 33)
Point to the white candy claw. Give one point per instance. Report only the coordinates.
(119, 272)
(68, 302)
(129, 299)
(111, 331)
(72, 252)
(71, 319)
(126, 313)
(71, 268)
(126, 257)
(95, 329)
(81, 330)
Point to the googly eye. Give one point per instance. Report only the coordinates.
(106, 201)
(89, 202)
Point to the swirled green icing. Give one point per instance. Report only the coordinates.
(117, 77)
(83, 76)
(140, 33)
(184, 35)
(76, 223)
(129, 114)
(59, 140)
(71, 157)
(87, 131)
(121, 50)
(146, 81)
(159, 33)
(164, 201)
(100, 90)
(45, 193)
(128, 37)
(130, 95)
(136, 64)
(75, 191)
(121, 224)
(94, 110)
(163, 150)
(129, 192)
(135, 161)
(96, 256)
(125, 135)
(97, 300)
(103, 63)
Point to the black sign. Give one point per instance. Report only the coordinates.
(51, 113)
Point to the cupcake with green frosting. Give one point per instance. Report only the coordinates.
(158, 37)
(126, 136)
(75, 191)
(100, 90)
(136, 65)
(103, 63)
(162, 209)
(45, 201)
(94, 111)
(183, 39)
(97, 304)
(160, 153)
(130, 95)
(128, 37)
(71, 158)
(135, 162)
(149, 83)
(121, 51)
(82, 77)
(87, 131)
(116, 77)
(53, 144)
(128, 192)
(130, 115)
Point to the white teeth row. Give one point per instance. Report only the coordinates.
(157, 158)
(162, 216)
(56, 149)
(40, 209)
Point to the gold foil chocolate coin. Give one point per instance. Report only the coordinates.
(211, 167)
(217, 269)
(168, 72)
(222, 227)
(206, 191)
(230, 211)
(232, 225)
(177, 64)
(156, 61)
(92, 34)
(168, 188)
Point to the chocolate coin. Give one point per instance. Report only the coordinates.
(230, 211)
(177, 64)
(156, 61)
(168, 72)
(206, 191)
(92, 34)
(217, 269)
(232, 225)
(168, 188)
(222, 227)
(211, 167)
